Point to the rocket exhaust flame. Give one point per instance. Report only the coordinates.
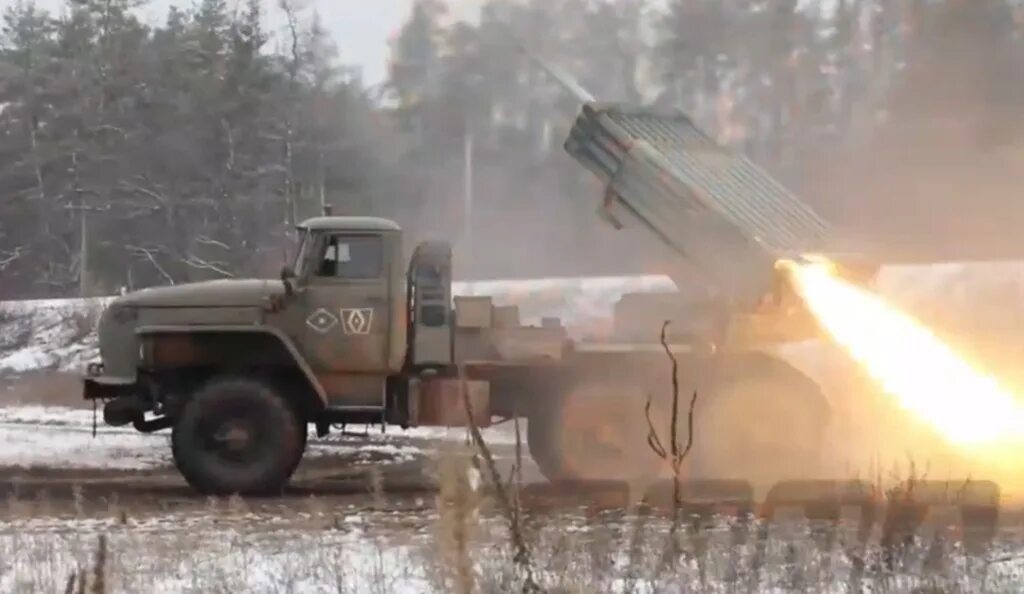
(965, 405)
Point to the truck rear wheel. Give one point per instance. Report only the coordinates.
(759, 420)
(595, 432)
(237, 435)
(763, 422)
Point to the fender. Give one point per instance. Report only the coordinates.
(766, 363)
(286, 342)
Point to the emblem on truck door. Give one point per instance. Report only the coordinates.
(322, 321)
(357, 320)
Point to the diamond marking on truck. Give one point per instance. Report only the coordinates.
(322, 321)
(357, 320)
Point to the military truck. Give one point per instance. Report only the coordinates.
(352, 333)
(238, 369)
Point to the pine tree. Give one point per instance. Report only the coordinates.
(137, 157)
(691, 53)
(26, 178)
(415, 64)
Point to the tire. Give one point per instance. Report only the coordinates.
(762, 422)
(237, 436)
(596, 431)
(758, 420)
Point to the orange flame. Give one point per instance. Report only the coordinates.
(965, 405)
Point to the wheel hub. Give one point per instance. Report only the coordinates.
(605, 435)
(234, 436)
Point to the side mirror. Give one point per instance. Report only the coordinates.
(287, 274)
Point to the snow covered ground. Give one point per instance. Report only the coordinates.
(411, 547)
(47, 334)
(61, 438)
(214, 551)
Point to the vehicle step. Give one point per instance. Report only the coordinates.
(352, 414)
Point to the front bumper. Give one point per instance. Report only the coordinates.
(124, 404)
(96, 385)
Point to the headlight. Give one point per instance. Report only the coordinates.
(119, 347)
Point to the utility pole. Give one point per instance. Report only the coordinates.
(84, 283)
(467, 201)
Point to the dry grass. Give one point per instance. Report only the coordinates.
(460, 545)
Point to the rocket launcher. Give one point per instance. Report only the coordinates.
(724, 214)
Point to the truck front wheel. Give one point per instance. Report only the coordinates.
(237, 435)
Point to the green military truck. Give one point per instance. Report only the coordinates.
(352, 333)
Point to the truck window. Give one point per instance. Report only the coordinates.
(303, 255)
(353, 257)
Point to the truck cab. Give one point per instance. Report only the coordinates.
(348, 287)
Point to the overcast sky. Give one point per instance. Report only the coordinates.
(361, 28)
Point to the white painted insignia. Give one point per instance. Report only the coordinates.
(357, 320)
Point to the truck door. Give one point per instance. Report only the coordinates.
(347, 305)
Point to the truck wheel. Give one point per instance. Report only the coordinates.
(237, 435)
(763, 422)
(595, 432)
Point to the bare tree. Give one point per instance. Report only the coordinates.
(676, 452)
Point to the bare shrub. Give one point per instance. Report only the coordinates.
(69, 587)
(99, 569)
(507, 504)
(457, 505)
(574, 551)
(15, 329)
(82, 321)
(675, 453)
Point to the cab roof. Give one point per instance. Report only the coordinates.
(347, 223)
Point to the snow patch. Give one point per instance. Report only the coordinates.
(48, 334)
(46, 415)
(355, 550)
(61, 438)
(239, 557)
(25, 446)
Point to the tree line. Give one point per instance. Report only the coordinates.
(132, 156)
(135, 155)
